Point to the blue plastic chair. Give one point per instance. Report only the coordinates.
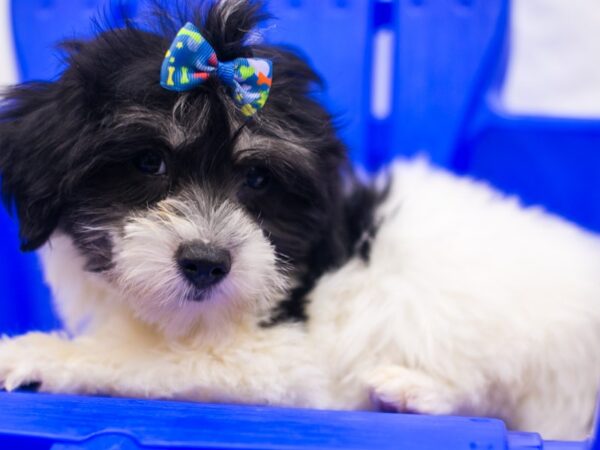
(404, 77)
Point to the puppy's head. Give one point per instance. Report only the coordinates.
(191, 210)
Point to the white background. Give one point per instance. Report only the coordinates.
(8, 73)
(555, 60)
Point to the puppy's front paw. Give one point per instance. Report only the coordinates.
(400, 389)
(28, 360)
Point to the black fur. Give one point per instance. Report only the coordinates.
(67, 155)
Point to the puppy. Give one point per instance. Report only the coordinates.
(196, 253)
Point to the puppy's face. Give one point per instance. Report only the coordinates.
(190, 210)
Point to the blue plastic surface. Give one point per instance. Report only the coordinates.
(446, 54)
(24, 299)
(39, 25)
(341, 58)
(438, 94)
(70, 422)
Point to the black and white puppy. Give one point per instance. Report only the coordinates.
(194, 253)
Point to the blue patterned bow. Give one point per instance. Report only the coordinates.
(191, 60)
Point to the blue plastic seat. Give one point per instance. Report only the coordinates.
(95, 423)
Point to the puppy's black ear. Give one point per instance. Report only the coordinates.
(30, 167)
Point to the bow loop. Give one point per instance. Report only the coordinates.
(191, 60)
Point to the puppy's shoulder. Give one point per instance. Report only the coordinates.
(425, 199)
(434, 218)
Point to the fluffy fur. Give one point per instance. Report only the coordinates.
(420, 292)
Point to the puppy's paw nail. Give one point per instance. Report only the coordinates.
(30, 386)
(16, 379)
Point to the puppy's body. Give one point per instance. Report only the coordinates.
(468, 304)
(433, 294)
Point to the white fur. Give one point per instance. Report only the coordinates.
(496, 305)
(470, 304)
(154, 289)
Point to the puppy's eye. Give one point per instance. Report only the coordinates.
(151, 163)
(257, 178)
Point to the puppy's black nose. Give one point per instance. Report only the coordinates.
(203, 265)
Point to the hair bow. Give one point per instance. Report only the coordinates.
(191, 60)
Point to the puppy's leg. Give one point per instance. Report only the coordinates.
(257, 368)
(408, 390)
(53, 361)
(25, 358)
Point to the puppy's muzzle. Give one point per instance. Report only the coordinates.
(202, 264)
